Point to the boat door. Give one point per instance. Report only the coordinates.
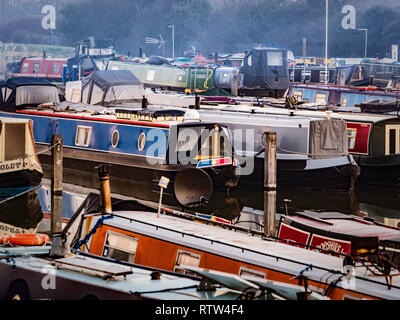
(392, 139)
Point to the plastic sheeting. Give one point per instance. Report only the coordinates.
(328, 138)
(20, 91)
(31, 95)
(104, 87)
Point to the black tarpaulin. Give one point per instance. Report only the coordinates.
(266, 68)
(380, 106)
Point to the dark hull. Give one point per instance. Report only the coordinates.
(21, 211)
(380, 170)
(128, 176)
(20, 179)
(293, 174)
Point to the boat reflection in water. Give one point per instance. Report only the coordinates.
(382, 204)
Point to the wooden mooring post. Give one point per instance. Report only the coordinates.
(56, 183)
(270, 179)
(59, 243)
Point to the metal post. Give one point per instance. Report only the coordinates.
(270, 171)
(56, 183)
(366, 42)
(173, 40)
(326, 42)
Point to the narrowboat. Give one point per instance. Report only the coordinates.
(301, 162)
(264, 73)
(373, 141)
(41, 67)
(331, 96)
(181, 244)
(333, 231)
(20, 176)
(32, 273)
(142, 146)
(302, 159)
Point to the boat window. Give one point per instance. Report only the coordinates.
(115, 138)
(247, 272)
(224, 78)
(14, 132)
(392, 139)
(275, 59)
(249, 61)
(151, 75)
(25, 67)
(298, 95)
(357, 75)
(36, 67)
(320, 98)
(120, 247)
(142, 141)
(351, 135)
(342, 78)
(323, 76)
(45, 68)
(56, 68)
(82, 137)
(188, 259)
(216, 145)
(187, 138)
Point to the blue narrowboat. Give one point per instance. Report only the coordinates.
(140, 145)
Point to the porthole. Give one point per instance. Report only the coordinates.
(115, 138)
(141, 141)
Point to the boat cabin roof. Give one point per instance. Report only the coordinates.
(13, 120)
(109, 275)
(246, 247)
(346, 224)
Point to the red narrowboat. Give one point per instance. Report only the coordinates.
(46, 68)
(333, 232)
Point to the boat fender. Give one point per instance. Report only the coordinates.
(28, 239)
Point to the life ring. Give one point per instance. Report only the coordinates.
(25, 239)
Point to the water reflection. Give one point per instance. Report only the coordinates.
(382, 204)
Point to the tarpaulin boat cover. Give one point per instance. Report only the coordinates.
(266, 68)
(19, 92)
(380, 106)
(352, 75)
(157, 60)
(328, 138)
(85, 63)
(111, 86)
